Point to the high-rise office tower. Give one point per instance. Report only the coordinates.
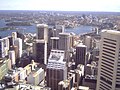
(64, 44)
(12, 57)
(14, 36)
(72, 35)
(49, 44)
(54, 42)
(40, 51)
(10, 41)
(16, 50)
(18, 43)
(59, 29)
(54, 54)
(42, 32)
(88, 42)
(56, 70)
(4, 46)
(50, 34)
(80, 54)
(64, 41)
(109, 61)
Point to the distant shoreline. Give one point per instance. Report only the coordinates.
(70, 12)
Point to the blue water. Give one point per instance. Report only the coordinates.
(2, 23)
(32, 29)
(79, 30)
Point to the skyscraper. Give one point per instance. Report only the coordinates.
(10, 41)
(42, 32)
(18, 43)
(12, 57)
(54, 42)
(64, 44)
(14, 36)
(40, 51)
(109, 61)
(56, 70)
(4, 46)
(88, 42)
(59, 29)
(64, 41)
(80, 54)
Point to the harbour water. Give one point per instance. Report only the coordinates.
(32, 29)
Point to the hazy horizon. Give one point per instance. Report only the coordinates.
(62, 5)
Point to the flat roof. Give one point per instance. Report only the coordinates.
(111, 32)
(42, 25)
(54, 38)
(83, 88)
(66, 34)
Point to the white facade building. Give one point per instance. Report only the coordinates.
(18, 43)
(109, 61)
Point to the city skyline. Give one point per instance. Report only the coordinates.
(62, 5)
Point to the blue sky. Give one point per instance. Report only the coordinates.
(63, 5)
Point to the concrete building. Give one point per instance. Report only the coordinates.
(40, 51)
(90, 81)
(64, 85)
(64, 41)
(4, 46)
(22, 73)
(72, 35)
(80, 54)
(16, 50)
(4, 67)
(109, 61)
(14, 36)
(54, 42)
(10, 41)
(18, 43)
(59, 29)
(56, 71)
(83, 88)
(64, 44)
(42, 32)
(57, 55)
(12, 57)
(36, 76)
(88, 42)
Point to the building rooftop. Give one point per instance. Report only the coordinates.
(65, 83)
(57, 38)
(80, 45)
(65, 34)
(42, 25)
(56, 64)
(40, 41)
(56, 55)
(83, 88)
(111, 32)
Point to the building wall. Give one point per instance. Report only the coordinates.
(80, 55)
(109, 61)
(42, 32)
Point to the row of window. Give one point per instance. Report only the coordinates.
(106, 44)
(110, 39)
(108, 58)
(108, 61)
(104, 83)
(109, 49)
